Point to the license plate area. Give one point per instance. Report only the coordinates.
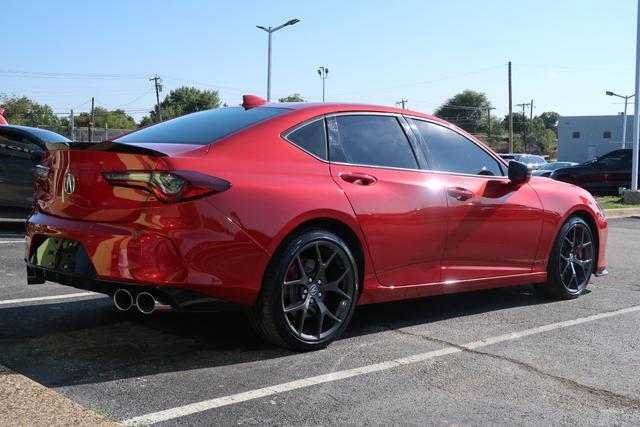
(63, 256)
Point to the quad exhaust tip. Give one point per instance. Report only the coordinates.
(147, 303)
(122, 299)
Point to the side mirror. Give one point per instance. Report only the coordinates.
(519, 173)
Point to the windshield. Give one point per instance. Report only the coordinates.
(203, 127)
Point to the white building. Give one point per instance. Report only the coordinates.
(581, 138)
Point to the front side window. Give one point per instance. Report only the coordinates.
(311, 137)
(17, 147)
(448, 151)
(203, 127)
(370, 140)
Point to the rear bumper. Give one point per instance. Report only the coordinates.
(198, 251)
(176, 297)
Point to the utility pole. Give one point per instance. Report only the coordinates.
(524, 105)
(402, 102)
(90, 124)
(489, 120)
(510, 113)
(71, 125)
(106, 131)
(323, 72)
(158, 83)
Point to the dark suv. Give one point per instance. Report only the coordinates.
(21, 149)
(603, 175)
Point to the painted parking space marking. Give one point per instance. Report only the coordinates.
(11, 241)
(48, 298)
(205, 405)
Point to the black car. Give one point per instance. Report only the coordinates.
(547, 168)
(21, 150)
(602, 175)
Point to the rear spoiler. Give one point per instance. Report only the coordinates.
(111, 146)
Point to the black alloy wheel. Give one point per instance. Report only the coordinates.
(309, 292)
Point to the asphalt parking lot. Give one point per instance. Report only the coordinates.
(493, 357)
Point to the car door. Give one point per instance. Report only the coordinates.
(494, 225)
(401, 209)
(17, 169)
(608, 172)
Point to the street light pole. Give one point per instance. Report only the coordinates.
(322, 72)
(636, 116)
(624, 119)
(269, 31)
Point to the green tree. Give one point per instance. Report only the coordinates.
(184, 100)
(296, 97)
(467, 109)
(550, 119)
(520, 123)
(115, 119)
(27, 112)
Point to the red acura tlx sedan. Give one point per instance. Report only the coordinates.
(300, 211)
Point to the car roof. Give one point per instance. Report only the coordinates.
(336, 107)
(35, 132)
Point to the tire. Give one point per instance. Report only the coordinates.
(571, 262)
(309, 292)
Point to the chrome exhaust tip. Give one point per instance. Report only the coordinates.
(147, 303)
(122, 299)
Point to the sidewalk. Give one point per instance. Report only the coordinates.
(621, 212)
(24, 402)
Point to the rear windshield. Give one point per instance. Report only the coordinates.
(203, 127)
(48, 136)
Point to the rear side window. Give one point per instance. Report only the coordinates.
(448, 151)
(203, 127)
(369, 140)
(311, 138)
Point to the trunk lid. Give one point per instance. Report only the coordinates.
(71, 184)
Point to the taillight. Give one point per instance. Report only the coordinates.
(169, 186)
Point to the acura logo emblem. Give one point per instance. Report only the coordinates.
(69, 184)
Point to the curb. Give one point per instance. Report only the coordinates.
(27, 403)
(621, 213)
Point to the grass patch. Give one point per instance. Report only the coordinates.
(614, 202)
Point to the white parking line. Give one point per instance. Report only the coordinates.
(205, 405)
(51, 297)
(11, 241)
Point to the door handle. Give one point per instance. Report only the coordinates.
(460, 193)
(358, 178)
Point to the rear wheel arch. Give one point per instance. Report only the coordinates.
(339, 228)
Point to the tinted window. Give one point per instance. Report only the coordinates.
(48, 136)
(311, 137)
(369, 140)
(616, 159)
(576, 135)
(17, 147)
(203, 127)
(449, 151)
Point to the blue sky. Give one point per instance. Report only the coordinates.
(565, 53)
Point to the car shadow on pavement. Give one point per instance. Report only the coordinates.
(89, 341)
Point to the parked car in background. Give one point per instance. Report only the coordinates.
(602, 175)
(300, 211)
(510, 156)
(546, 169)
(21, 150)
(532, 161)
